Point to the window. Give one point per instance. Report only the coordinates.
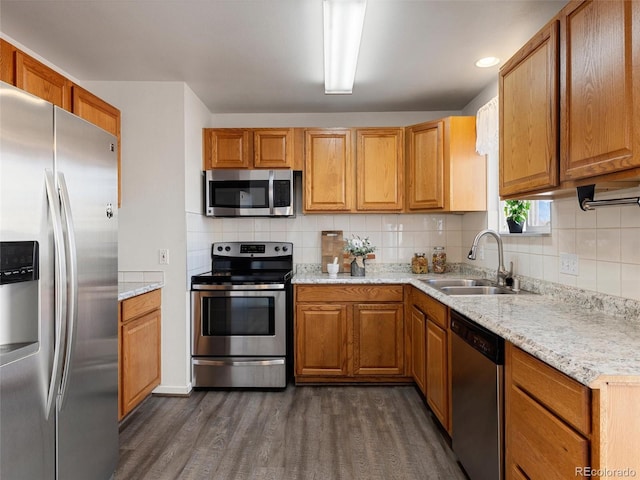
(538, 220)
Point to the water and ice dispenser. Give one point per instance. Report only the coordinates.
(19, 275)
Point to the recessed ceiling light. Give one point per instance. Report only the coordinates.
(487, 62)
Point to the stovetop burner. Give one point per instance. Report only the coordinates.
(248, 263)
(251, 278)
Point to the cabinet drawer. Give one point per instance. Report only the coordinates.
(564, 396)
(435, 310)
(539, 443)
(136, 306)
(349, 293)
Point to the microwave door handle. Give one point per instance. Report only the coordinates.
(272, 200)
(60, 296)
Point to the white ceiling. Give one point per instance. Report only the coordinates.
(265, 56)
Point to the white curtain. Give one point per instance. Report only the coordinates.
(487, 128)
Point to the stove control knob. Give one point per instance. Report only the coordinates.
(219, 248)
(285, 248)
(227, 248)
(277, 249)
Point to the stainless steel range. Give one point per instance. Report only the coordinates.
(242, 316)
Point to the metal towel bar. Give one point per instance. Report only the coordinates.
(587, 202)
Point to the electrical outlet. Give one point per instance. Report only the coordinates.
(569, 263)
(163, 256)
(481, 252)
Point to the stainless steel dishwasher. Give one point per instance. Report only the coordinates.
(478, 399)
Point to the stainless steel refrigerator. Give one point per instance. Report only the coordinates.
(58, 293)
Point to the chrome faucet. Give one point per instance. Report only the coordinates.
(503, 274)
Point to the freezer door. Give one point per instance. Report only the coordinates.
(27, 434)
(87, 438)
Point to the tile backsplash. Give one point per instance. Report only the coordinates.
(395, 236)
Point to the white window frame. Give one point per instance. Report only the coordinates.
(533, 224)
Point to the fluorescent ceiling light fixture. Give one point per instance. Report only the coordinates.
(343, 21)
(487, 62)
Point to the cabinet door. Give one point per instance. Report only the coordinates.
(273, 148)
(7, 62)
(426, 166)
(140, 360)
(321, 337)
(379, 167)
(528, 86)
(41, 81)
(328, 170)
(437, 372)
(378, 343)
(418, 327)
(226, 148)
(540, 444)
(600, 88)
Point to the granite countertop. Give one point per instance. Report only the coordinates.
(584, 343)
(132, 289)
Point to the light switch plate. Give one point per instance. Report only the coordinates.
(569, 263)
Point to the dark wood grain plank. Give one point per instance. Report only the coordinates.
(310, 433)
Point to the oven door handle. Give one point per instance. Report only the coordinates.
(239, 363)
(246, 287)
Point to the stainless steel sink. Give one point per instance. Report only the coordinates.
(456, 282)
(476, 290)
(467, 286)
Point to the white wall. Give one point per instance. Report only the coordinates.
(152, 216)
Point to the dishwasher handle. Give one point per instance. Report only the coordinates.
(479, 338)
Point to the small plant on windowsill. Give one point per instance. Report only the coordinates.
(516, 212)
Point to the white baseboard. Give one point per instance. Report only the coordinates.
(176, 390)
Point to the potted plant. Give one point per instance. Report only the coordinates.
(358, 248)
(516, 212)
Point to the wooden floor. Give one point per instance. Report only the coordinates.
(307, 433)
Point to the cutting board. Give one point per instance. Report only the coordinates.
(332, 245)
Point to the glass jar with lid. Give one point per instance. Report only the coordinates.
(439, 260)
(419, 263)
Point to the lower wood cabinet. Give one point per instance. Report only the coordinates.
(548, 420)
(349, 333)
(428, 338)
(139, 349)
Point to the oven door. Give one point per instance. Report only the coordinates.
(234, 322)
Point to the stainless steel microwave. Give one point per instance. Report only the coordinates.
(249, 193)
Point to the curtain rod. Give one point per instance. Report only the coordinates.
(587, 202)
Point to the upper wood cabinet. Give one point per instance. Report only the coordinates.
(7, 62)
(36, 78)
(226, 148)
(248, 148)
(570, 102)
(600, 88)
(528, 85)
(330, 176)
(328, 170)
(380, 169)
(273, 148)
(443, 170)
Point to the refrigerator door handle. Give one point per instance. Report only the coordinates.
(72, 272)
(60, 297)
